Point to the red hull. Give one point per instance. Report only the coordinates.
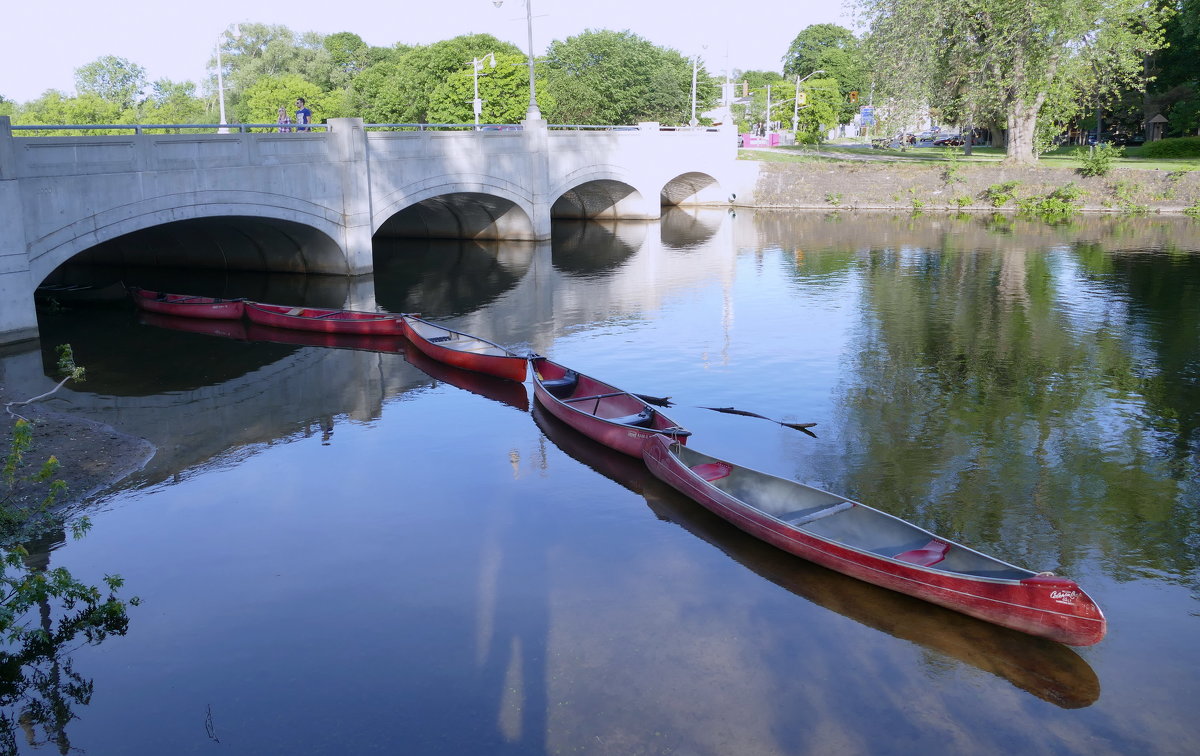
(229, 329)
(185, 306)
(463, 350)
(324, 321)
(596, 409)
(1046, 606)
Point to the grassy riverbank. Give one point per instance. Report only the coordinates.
(1063, 157)
(840, 176)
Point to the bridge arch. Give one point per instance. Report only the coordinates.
(309, 240)
(457, 207)
(601, 192)
(693, 188)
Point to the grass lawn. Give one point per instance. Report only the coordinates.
(1063, 157)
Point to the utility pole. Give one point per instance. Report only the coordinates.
(767, 129)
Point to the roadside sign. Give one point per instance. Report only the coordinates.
(867, 115)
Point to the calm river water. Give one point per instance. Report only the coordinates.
(339, 552)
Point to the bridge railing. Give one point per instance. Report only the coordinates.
(245, 128)
(141, 128)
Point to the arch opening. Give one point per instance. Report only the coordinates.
(460, 215)
(693, 188)
(602, 198)
(230, 243)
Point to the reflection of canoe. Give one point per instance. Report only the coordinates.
(865, 543)
(500, 390)
(463, 350)
(615, 418)
(362, 342)
(1045, 669)
(187, 306)
(81, 293)
(229, 329)
(323, 320)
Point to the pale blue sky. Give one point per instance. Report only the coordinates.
(44, 44)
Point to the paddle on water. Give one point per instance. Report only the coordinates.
(665, 401)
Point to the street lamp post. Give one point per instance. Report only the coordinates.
(533, 114)
(237, 34)
(476, 67)
(796, 102)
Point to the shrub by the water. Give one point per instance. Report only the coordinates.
(1181, 147)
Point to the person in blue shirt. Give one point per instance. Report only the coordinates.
(303, 115)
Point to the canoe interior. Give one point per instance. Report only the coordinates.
(316, 313)
(460, 342)
(601, 400)
(857, 526)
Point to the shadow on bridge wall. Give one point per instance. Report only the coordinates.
(460, 215)
(228, 242)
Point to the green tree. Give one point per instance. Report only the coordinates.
(836, 51)
(56, 108)
(172, 102)
(262, 100)
(265, 50)
(1010, 56)
(37, 684)
(752, 116)
(609, 77)
(504, 90)
(1176, 90)
(112, 79)
(400, 90)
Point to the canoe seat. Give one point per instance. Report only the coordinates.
(926, 556)
(562, 386)
(637, 419)
(711, 471)
(295, 311)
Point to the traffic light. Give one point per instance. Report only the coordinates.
(854, 97)
(802, 98)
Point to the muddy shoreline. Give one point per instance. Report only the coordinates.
(92, 456)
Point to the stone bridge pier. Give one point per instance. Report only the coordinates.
(313, 202)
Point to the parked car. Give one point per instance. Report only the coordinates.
(948, 140)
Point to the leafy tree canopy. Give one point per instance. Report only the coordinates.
(835, 51)
(610, 77)
(1003, 60)
(503, 89)
(264, 98)
(112, 79)
(400, 90)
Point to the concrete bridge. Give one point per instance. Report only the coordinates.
(313, 202)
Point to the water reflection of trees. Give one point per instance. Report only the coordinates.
(1004, 399)
(39, 686)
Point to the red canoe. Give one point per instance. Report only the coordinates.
(463, 350)
(187, 306)
(615, 418)
(322, 320)
(862, 542)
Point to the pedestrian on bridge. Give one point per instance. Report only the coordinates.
(303, 115)
(285, 122)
